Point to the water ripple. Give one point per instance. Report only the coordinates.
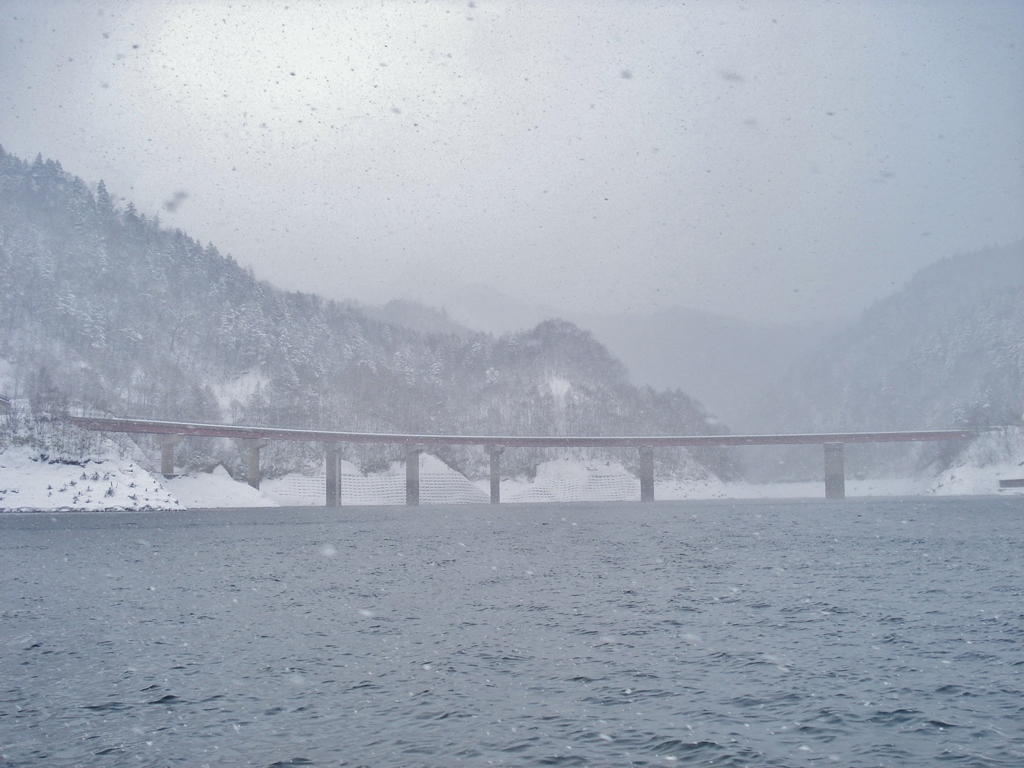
(586, 634)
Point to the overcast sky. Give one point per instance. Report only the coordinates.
(766, 160)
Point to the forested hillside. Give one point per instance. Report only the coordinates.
(105, 310)
(946, 351)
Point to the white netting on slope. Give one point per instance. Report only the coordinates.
(595, 485)
(439, 484)
(451, 488)
(575, 480)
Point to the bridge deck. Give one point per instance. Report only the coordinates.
(140, 426)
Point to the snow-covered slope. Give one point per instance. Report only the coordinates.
(994, 456)
(31, 482)
(204, 490)
(34, 482)
(946, 351)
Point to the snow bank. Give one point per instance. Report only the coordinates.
(30, 482)
(991, 457)
(215, 489)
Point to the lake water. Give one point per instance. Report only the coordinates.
(860, 632)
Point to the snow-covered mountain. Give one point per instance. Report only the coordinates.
(722, 361)
(105, 309)
(946, 351)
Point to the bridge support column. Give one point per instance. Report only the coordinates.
(167, 443)
(495, 452)
(252, 448)
(333, 475)
(412, 477)
(835, 471)
(646, 474)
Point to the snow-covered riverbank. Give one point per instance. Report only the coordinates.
(31, 482)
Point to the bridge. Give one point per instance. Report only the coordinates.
(168, 433)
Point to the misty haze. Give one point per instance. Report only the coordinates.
(511, 383)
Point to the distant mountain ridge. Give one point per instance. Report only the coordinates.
(722, 361)
(106, 309)
(417, 317)
(945, 351)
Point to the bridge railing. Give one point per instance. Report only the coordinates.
(169, 433)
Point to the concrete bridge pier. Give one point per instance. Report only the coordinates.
(167, 443)
(835, 471)
(252, 449)
(333, 467)
(495, 452)
(646, 474)
(412, 476)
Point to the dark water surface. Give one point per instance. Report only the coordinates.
(861, 632)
